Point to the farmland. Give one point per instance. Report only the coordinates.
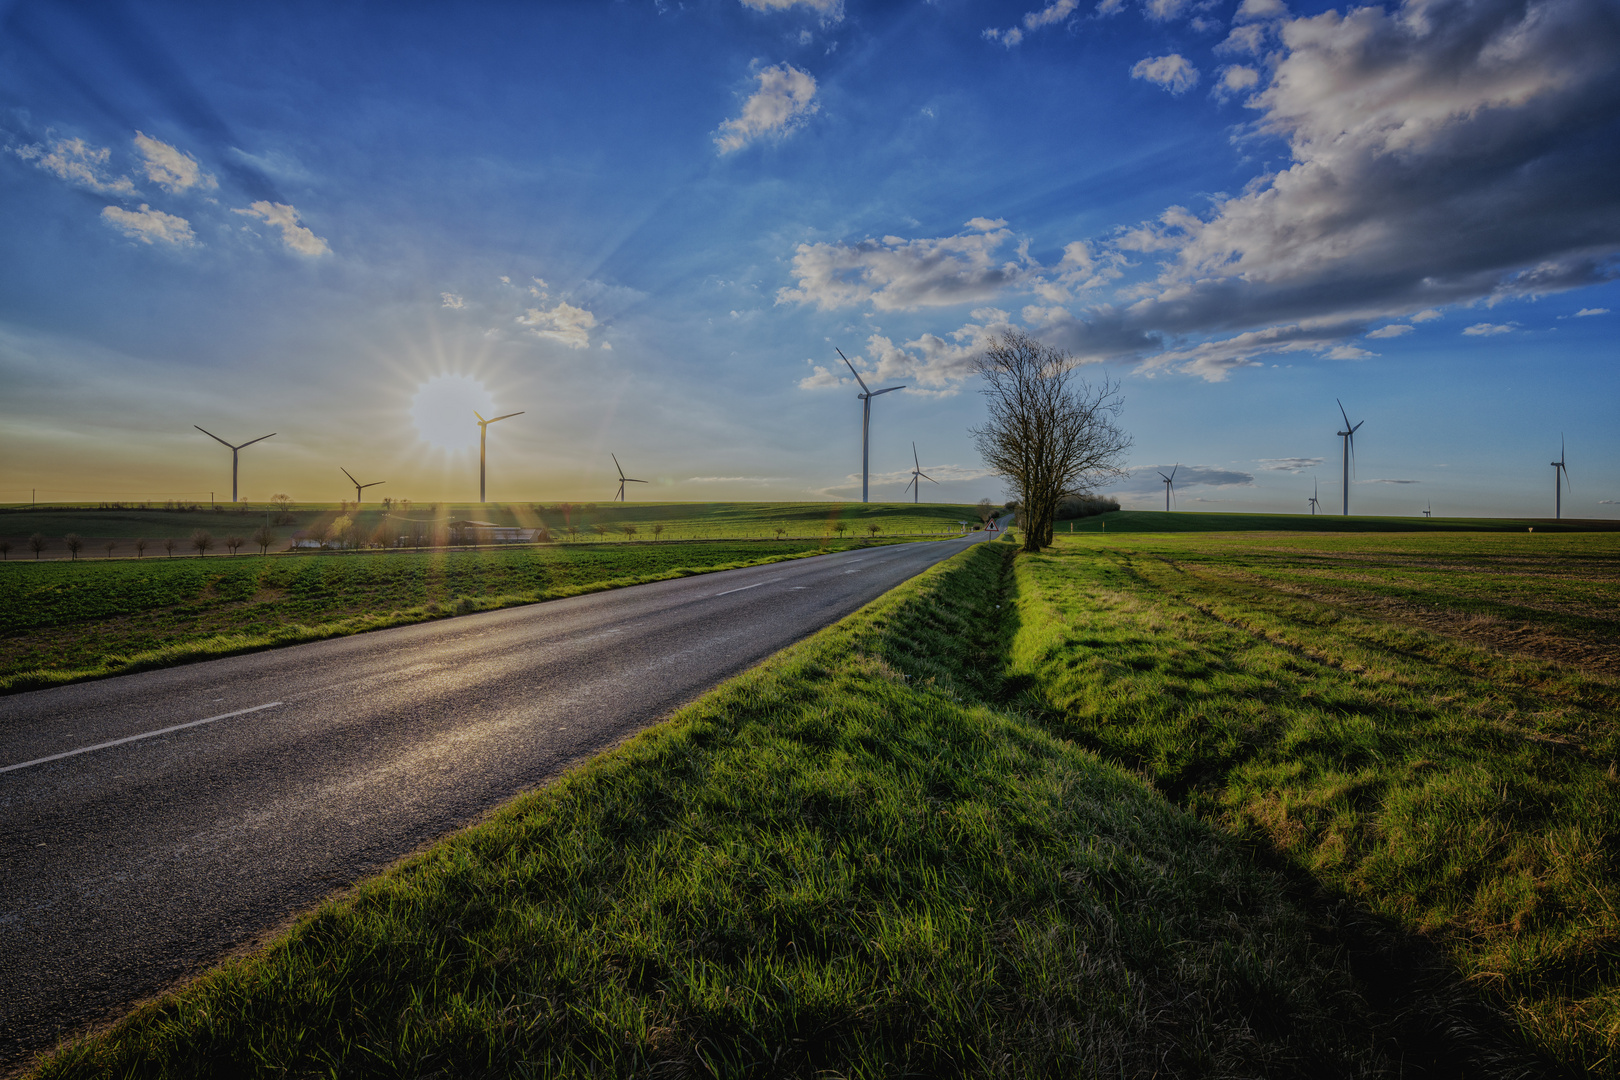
(566, 522)
(62, 621)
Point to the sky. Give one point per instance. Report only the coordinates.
(646, 226)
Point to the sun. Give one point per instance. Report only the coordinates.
(443, 411)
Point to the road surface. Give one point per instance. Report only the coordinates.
(153, 822)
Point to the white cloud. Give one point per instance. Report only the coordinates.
(451, 300)
(785, 97)
(821, 378)
(1173, 72)
(1380, 481)
(148, 225)
(293, 233)
(831, 11)
(77, 162)
(1290, 464)
(1485, 329)
(1235, 79)
(984, 224)
(1254, 10)
(1427, 316)
(1348, 352)
(1146, 479)
(1058, 11)
(565, 323)
(1164, 10)
(1393, 330)
(171, 169)
(1245, 40)
(899, 274)
(1585, 311)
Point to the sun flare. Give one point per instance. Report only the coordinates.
(443, 411)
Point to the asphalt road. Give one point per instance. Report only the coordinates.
(126, 867)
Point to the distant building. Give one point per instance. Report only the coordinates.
(487, 532)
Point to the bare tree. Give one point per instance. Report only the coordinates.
(264, 536)
(873, 528)
(74, 542)
(1049, 433)
(658, 531)
(841, 528)
(283, 505)
(781, 531)
(169, 545)
(202, 540)
(140, 547)
(628, 530)
(5, 550)
(109, 545)
(37, 543)
(234, 542)
(987, 512)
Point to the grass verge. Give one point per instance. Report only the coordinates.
(65, 622)
(1467, 796)
(843, 862)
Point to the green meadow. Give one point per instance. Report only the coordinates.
(65, 621)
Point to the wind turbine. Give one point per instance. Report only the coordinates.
(866, 397)
(1169, 484)
(623, 479)
(483, 433)
(358, 486)
(1349, 437)
(916, 472)
(1560, 479)
(234, 450)
(1313, 500)
(1428, 509)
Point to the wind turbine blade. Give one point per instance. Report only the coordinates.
(616, 465)
(211, 435)
(349, 474)
(480, 416)
(928, 478)
(508, 416)
(261, 438)
(1342, 412)
(889, 390)
(851, 367)
(1166, 478)
(1173, 469)
(914, 462)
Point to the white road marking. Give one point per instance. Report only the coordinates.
(745, 588)
(134, 738)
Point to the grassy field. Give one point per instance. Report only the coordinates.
(574, 523)
(1156, 521)
(1426, 725)
(61, 622)
(844, 863)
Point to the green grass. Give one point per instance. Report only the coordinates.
(844, 863)
(61, 621)
(680, 521)
(1156, 521)
(1292, 689)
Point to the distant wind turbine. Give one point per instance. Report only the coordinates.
(623, 479)
(358, 486)
(483, 432)
(234, 450)
(1560, 480)
(1428, 509)
(1349, 437)
(1313, 499)
(916, 474)
(1169, 484)
(866, 397)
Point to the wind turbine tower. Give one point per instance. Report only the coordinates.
(866, 395)
(483, 433)
(623, 479)
(358, 486)
(1169, 484)
(1313, 500)
(916, 473)
(1428, 509)
(1349, 437)
(234, 451)
(1560, 479)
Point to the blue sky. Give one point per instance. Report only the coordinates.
(648, 225)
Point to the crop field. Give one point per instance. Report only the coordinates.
(64, 621)
(567, 522)
(1426, 725)
(1154, 521)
